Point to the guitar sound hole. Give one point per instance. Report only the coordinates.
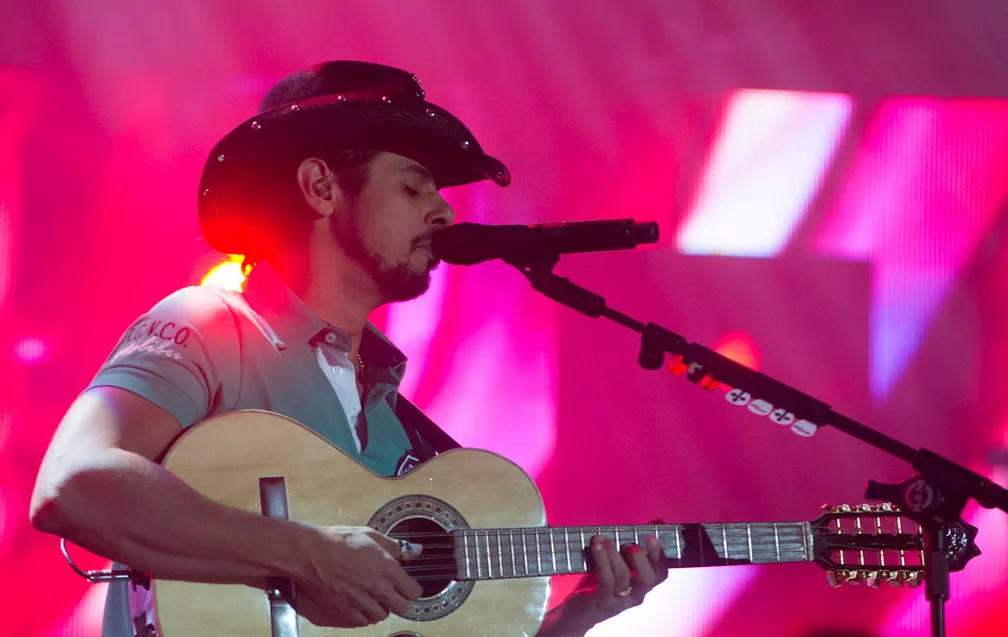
(435, 568)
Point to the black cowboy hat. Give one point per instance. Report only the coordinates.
(334, 105)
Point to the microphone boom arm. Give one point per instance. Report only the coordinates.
(936, 496)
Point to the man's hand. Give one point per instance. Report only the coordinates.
(356, 579)
(621, 580)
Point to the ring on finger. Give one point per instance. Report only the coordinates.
(405, 550)
(625, 593)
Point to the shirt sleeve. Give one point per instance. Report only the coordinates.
(183, 356)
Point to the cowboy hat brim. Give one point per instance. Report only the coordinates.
(404, 125)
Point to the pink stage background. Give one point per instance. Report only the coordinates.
(830, 179)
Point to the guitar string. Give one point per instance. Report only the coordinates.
(791, 527)
(451, 564)
(764, 548)
(451, 571)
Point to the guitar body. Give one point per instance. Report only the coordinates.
(226, 458)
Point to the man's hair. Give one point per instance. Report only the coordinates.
(282, 217)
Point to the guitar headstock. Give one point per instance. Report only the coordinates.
(875, 543)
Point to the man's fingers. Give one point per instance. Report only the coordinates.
(621, 571)
(392, 599)
(404, 584)
(369, 607)
(391, 545)
(640, 563)
(656, 555)
(603, 567)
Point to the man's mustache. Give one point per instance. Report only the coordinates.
(425, 239)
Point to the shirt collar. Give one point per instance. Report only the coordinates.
(290, 321)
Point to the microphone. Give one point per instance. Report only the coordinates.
(471, 243)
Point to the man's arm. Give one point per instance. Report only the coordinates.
(99, 488)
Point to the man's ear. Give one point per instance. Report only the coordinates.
(318, 186)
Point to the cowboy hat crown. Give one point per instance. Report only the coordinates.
(345, 105)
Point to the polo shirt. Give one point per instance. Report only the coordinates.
(204, 351)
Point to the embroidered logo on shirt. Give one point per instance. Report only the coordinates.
(159, 338)
(407, 463)
(152, 345)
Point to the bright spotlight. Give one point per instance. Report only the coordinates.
(227, 275)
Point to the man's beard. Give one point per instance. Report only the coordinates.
(396, 282)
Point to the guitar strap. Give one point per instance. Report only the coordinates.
(421, 429)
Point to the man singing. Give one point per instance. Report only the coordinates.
(333, 190)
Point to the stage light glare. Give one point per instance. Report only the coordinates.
(227, 275)
(739, 347)
(31, 350)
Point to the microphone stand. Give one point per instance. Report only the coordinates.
(935, 497)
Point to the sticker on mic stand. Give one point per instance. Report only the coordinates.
(738, 397)
(782, 417)
(760, 407)
(804, 428)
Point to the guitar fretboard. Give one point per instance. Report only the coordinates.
(532, 552)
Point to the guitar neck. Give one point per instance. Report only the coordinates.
(532, 552)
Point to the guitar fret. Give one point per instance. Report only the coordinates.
(636, 536)
(584, 546)
(500, 557)
(567, 551)
(479, 573)
(776, 539)
(524, 552)
(748, 532)
(538, 555)
(552, 551)
(465, 551)
(700, 534)
(486, 535)
(514, 566)
(678, 542)
(617, 538)
(724, 539)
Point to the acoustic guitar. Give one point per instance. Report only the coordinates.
(487, 553)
